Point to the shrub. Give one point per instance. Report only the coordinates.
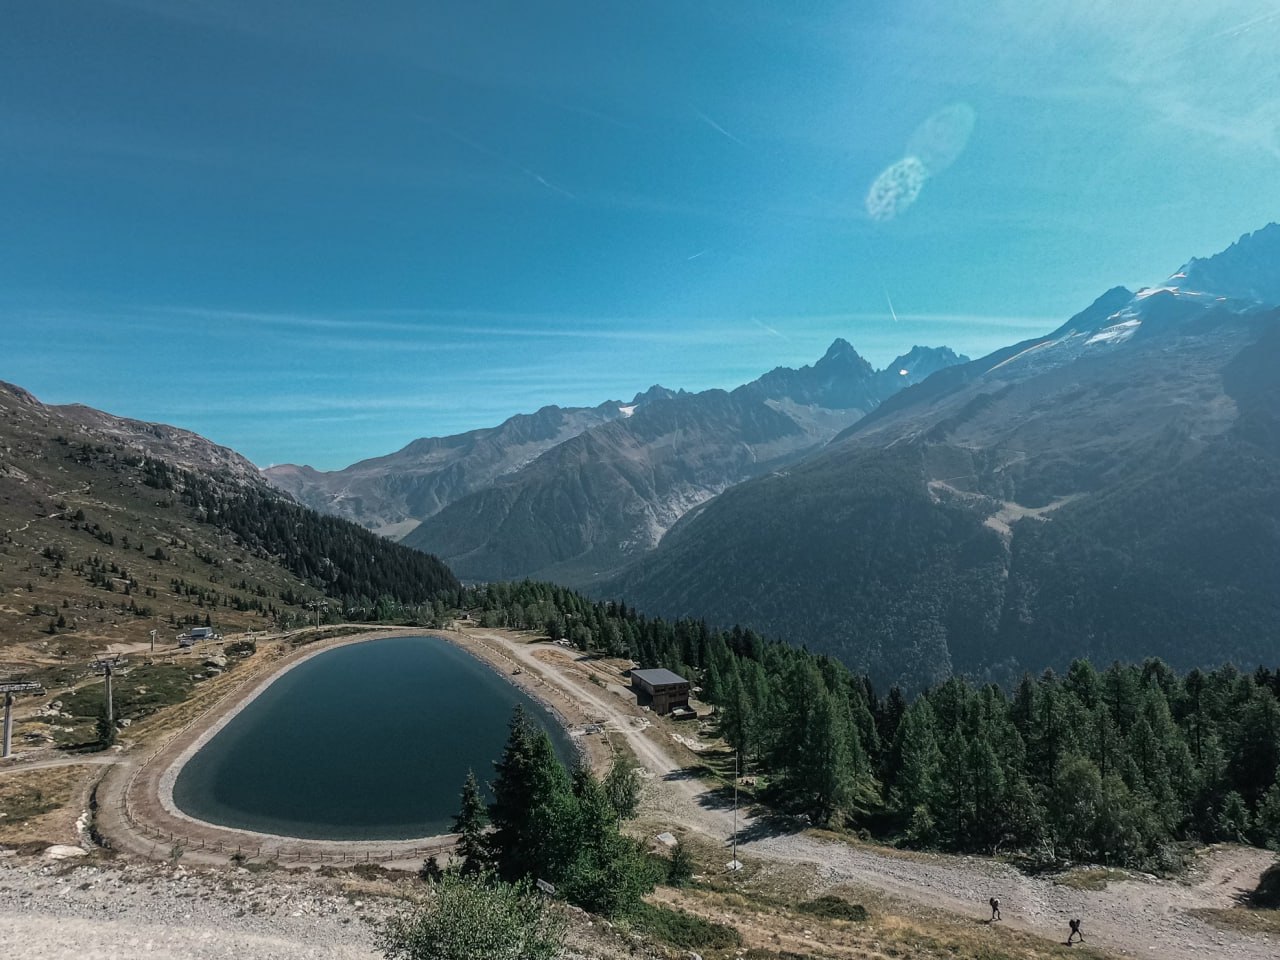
(680, 869)
(466, 917)
(683, 930)
(833, 908)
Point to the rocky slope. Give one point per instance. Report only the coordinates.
(588, 506)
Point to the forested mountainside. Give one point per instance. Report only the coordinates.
(1109, 491)
(114, 527)
(588, 506)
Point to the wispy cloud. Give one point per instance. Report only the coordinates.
(466, 326)
(1204, 68)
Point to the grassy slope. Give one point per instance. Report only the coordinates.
(98, 544)
(64, 492)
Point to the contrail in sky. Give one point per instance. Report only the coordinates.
(490, 152)
(716, 127)
(768, 329)
(698, 254)
(893, 313)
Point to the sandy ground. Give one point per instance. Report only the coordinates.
(1136, 917)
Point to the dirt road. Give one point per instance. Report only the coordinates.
(1149, 918)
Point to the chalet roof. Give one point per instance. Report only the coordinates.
(658, 677)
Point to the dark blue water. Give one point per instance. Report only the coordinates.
(370, 741)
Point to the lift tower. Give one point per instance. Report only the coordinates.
(9, 689)
(107, 665)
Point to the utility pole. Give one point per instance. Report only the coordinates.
(734, 864)
(153, 641)
(9, 689)
(107, 665)
(317, 606)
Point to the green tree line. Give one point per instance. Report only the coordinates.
(1115, 765)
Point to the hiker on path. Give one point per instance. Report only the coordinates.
(1075, 932)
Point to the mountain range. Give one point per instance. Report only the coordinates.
(1110, 490)
(576, 494)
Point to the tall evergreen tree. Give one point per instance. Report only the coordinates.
(514, 792)
(469, 824)
(919, 759)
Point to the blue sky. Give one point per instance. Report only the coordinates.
(315, 230)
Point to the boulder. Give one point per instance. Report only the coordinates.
(61, 851)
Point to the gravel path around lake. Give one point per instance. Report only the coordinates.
(136, 811)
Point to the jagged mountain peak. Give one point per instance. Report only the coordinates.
(840, 349)
(1248, 270)
(1098, 314)
(922, 361)
(656, 392)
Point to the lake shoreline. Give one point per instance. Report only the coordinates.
(148, 795)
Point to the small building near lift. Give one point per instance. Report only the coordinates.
(663, 691)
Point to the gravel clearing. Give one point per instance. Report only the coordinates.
(59, 911)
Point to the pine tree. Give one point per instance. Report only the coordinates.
(622, 787)
(1267, 821)
(1233, 820)
(830, 750)
(106, 729)
(986, 779)
(469, 824)
(680, 869)
(1074, 806)
(1255, 752)
(514, 791)
(919, 759)
(604, 872)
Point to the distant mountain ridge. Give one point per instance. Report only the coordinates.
(1110, 490)
(590, 505)
(179, 447)
(751, 428)
(392, 494)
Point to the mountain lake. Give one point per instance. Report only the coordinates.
(369, 741)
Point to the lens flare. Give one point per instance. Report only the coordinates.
(942, 138)
(896, 189)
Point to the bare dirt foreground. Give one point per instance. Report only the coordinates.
(168, 899)
(101, 911)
